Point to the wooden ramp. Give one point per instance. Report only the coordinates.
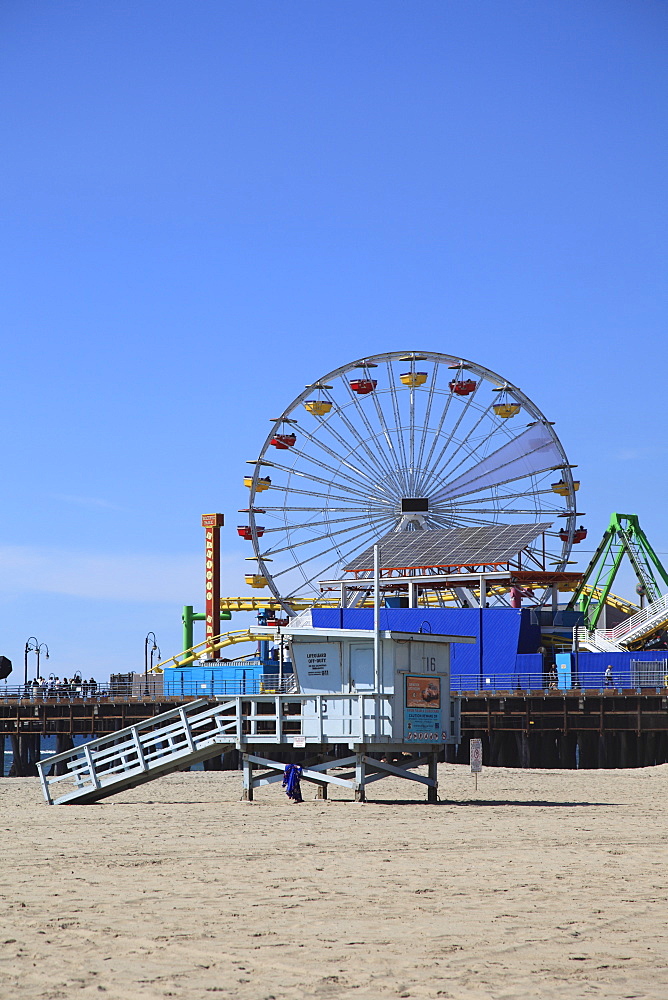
(128, 757)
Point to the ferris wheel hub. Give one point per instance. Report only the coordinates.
(414, 504)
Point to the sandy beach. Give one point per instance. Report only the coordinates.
(545, 884)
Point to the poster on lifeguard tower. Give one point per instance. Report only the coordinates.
(422, 709)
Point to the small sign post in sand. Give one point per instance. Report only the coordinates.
(476, 759)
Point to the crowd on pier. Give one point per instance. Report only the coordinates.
(61, 687)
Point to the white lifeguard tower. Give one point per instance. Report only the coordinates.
(383, 695)
(373, 700)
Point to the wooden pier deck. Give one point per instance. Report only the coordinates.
(567, 729)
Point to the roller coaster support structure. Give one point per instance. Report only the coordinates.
(189, 616)
(622, 536)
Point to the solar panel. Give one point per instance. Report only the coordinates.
(449, 547)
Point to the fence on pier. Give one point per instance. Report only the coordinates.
(125, 690)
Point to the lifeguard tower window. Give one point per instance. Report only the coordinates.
(410, 505)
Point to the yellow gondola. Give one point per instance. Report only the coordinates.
(262, 484)
(318, 407)
(258, 582)
(562, 488)
(506, 410)
(413, 379)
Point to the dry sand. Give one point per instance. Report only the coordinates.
(549, 884)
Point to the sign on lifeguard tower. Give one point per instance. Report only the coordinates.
(320, 667)
(422, 711)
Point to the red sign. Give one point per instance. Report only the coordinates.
(212, 520)
(212, 524)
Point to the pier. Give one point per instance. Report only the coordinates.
(567, 729)
(549, 729)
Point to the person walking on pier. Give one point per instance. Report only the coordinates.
(609, 680)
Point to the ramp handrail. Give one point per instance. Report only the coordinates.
(631, 628)
(597, 639)
(647, 616)
(141, 746)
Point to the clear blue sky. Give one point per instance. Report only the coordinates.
(207, 205)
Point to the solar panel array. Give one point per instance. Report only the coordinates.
(449, 547)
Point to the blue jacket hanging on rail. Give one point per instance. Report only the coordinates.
(291, 782)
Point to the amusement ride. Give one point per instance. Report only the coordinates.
(406, 442)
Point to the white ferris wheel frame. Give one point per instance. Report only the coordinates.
(414, 456)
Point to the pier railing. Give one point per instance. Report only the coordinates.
(173, 688)
(22, 692)
(640, 675)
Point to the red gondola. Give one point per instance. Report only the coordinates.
(579, 534)
(283, 441)
(245, 532)
(463, 387)
(273, 622)
(363, 386)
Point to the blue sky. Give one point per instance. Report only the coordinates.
(206, 206)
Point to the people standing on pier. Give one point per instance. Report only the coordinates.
(609, 681)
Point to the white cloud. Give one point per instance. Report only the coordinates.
(113, 577)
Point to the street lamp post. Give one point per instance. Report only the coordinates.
(31, 646)
(39, 649)
(153, 649)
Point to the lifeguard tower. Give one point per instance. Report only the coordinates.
(383, 696)
(376, 702)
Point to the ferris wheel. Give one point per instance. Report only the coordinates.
(402, 441)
